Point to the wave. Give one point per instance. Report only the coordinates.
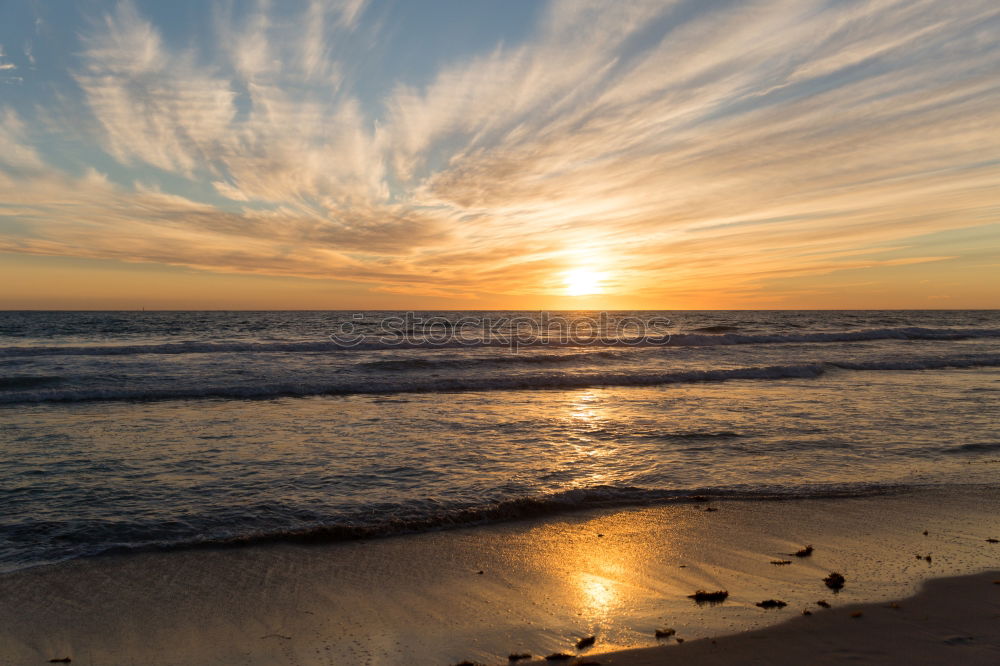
(721, 434)
(716, 329)
(975, 447)
(16, 382)
(903, 333)
(527, 381)
(405, 364)
(363, 525)
(374, 344)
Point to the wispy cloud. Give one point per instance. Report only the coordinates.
(680, 147)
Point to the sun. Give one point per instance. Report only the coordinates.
(582, 282)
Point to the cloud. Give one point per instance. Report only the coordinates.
(677, 146)
(16, 152)
(154, 106)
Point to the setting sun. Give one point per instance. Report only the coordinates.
(583, 282)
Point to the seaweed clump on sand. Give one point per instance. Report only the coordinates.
(771, 603)
(822, 603)
(702, 596)
(585, 642)
(518, 656)
(780, 562)
(665, 633)
(804, 552)
(835, 581)
(559, 656)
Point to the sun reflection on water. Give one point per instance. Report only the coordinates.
(588, 415)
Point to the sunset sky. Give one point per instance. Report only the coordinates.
(504, 154)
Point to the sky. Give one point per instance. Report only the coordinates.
(463, 154)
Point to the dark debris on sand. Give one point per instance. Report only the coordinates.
(804, 552)
(771, 603)
(518, 656)
(585, 642)
(665, 633)
(559, 656)
(992, 540)
(64, 660)
(780, 562)
(702, 596)
(835, 581)
(822, 603)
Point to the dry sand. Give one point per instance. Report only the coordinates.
(546, 583)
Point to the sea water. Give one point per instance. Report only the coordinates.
(131, 431)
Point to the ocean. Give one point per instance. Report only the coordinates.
(134, 431)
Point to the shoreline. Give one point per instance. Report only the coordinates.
(481, 593)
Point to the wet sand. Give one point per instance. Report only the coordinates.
(533, 586)
(951, 621)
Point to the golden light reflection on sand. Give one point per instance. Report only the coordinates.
(603, 567)
(598, 595)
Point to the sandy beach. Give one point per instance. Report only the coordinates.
(538, 587)
(950, 621)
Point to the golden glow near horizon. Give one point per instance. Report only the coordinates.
(825, 154)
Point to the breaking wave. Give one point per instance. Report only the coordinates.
(524, 381)
(390, 520)
(375, 344)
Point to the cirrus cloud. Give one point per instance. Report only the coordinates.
(679, 146)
